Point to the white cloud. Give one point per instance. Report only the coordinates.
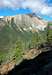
(37, 6)
(9, 3)
(47, 11)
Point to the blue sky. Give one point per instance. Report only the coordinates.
(11, 12)
(42, 8)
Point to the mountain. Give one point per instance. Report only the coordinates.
(19, 34)
(19, 25)
(29, 23)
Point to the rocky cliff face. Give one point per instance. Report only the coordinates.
(26, 22)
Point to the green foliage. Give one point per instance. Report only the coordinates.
(49, 32)
(18, 50)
